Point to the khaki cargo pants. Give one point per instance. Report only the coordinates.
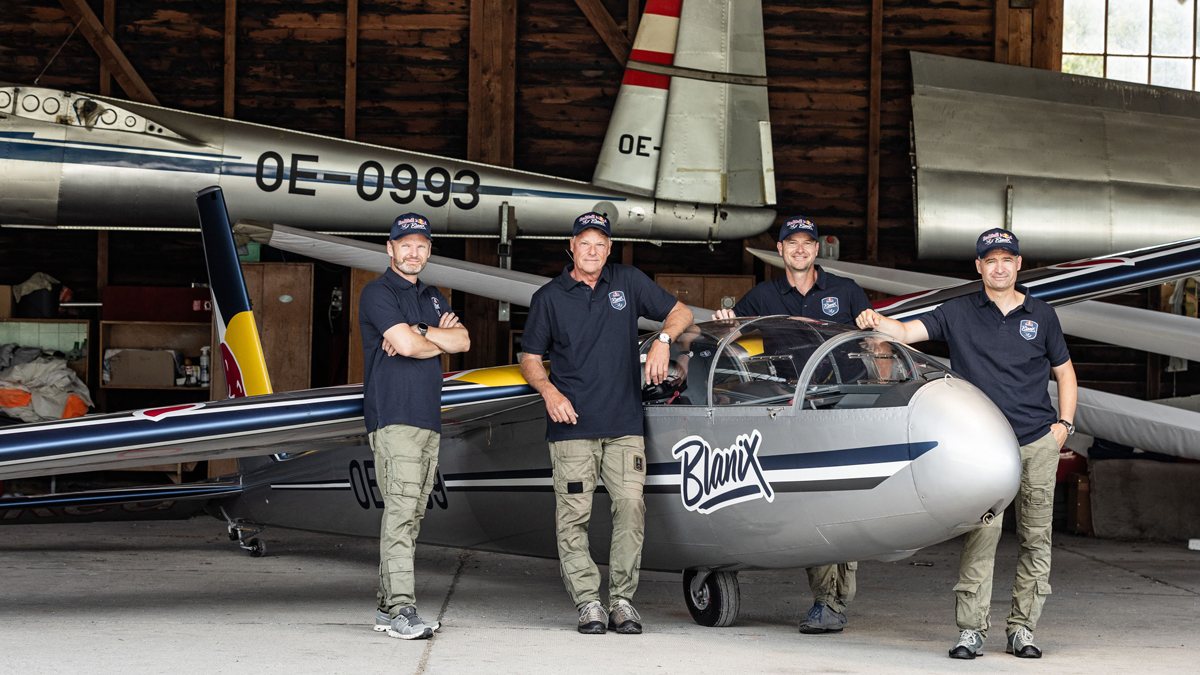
(406, 460)
(621, 463)
(833, 585)
(1035, 507)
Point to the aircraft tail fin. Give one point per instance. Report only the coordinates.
(241, 352)
(692, 121)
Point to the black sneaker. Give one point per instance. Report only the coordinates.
(1020, 644)
(970, 645)
(592, 618)
(822, 619)
(624, 619)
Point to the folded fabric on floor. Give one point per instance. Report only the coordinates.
(42, 390)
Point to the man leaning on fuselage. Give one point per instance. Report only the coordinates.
(585, 321)
(1006, 343)
(809, 291)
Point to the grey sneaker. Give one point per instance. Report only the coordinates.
(383, 621)
(624, 619)
(1020, 644)
(822, 619)
(592, 618)
(970, 645)
(408, 626)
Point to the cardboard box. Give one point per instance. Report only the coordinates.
(6, 302)
(141, 368)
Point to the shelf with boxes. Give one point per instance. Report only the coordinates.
(145, 354)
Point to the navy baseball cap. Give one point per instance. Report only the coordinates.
(591, 219)
(996, 238)
(410, 223)
(797, 224)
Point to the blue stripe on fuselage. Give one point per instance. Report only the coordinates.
(878, 454)
(21, 146)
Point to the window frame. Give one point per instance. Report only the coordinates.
(1149, 56)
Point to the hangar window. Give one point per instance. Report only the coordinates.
(1146, 41)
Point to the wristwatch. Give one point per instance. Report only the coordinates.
(664, 338)
(1070, 427)
(423, 327)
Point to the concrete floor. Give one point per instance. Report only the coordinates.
(178, 597)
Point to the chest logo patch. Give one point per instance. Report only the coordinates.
(437, 306)
(1028, 329)
(617, 299)
(829, 306)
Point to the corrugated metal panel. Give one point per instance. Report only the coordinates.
(1096, 166)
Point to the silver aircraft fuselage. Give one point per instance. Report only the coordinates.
(74, 159)
(860, 465)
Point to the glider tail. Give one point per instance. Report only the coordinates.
(692, 121)
(241, 352)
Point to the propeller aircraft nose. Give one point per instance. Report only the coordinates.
(975, 467)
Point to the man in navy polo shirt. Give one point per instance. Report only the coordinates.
(806, 289)
(586, 320)
(809, 291)
(1007, 343)
(406, 327)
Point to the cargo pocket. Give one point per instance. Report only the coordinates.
(967, 587)
(634, 473)
(1043, 587)
(404, 478)
(574, 473)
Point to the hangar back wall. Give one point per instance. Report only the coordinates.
(412, 80)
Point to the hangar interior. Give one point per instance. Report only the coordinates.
(528, 84)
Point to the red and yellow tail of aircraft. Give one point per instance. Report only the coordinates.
(241, 352)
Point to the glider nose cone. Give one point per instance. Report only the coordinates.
(976, 464)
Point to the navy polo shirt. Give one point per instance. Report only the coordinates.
(590, 336)
(832, 298)
(1008, 357)
(399, 389)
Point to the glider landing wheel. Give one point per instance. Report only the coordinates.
(257, 548)
(713, 598)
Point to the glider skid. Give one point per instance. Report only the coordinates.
(239, 531)
(713, 598)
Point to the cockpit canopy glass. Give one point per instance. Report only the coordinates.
(760, 362)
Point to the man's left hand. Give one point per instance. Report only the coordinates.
(388, 348)
(657, 362)
(1060, 433)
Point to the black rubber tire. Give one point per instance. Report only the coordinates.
(724, 599)
(257, 548)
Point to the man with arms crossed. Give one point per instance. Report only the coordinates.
(808, 290)
(586, 320)
(1006, 343)
(406, 327)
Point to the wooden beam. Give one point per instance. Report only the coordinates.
(110, 26)
(618, 43)
(491, 102)
(873, 130)
(230, 55)
(101, 261)
(635, 13)
(351, 66)
(1047, 34)
(491, 83)
(1020, 37)
(1001, 38)
(110, 54)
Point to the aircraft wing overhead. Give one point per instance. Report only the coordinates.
(1155, 332)
(482, 280)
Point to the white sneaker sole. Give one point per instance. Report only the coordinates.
(423, 635)
(380, 629)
